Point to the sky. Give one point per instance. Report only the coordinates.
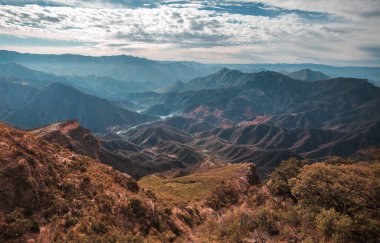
(334, 32)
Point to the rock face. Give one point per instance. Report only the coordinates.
(72, 136)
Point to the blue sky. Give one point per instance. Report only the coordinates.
(336, 32)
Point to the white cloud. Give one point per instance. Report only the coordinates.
(157, 25)
(185, 32)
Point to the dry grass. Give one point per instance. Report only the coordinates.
(58, 196)
(192, 188)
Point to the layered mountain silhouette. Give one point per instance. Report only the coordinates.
(149, 151)
(161, 73)
(229, 116)
(155, 73)
(286, 102)
(193, 158)
(100, 86)
(58, 102)
(160, 146)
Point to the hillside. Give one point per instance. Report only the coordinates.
(60, 196)
(13, 94)
(59, 102)
(302, 202)
(200, 187)
(153, 155)
(151, 136)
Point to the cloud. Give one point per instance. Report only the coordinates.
(342, 8)
(372, 50)
(157, 25)
(244, 31)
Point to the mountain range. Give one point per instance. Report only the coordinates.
(103, 87)
(28, 107)
(61, 194)
(159, 74)
(125, 149)
(285, 102)
(228, 116)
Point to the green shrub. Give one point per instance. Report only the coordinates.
(346, 188)
(279, 184)
(266, 220)
(333, 225)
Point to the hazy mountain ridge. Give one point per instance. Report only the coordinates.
(161, 73)
(58, 102)
(155, 73)
(14, 93)
(103, 87)
(285, 101)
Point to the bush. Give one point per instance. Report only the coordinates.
(99, 228)
(332, 225)
(288, 169)
(346, 188)
(235, 226)
(18, 228)
(335, 160)
(70, 222)
(136, 209)
(222, 197)
(265, 220)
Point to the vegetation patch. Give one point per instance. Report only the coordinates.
(195, 187)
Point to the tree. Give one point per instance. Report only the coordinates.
(288, 169)
(348, 188)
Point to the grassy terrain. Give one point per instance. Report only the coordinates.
(192, 188)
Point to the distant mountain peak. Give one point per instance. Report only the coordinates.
(227, 71)
(223, 70)
(308, 75)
